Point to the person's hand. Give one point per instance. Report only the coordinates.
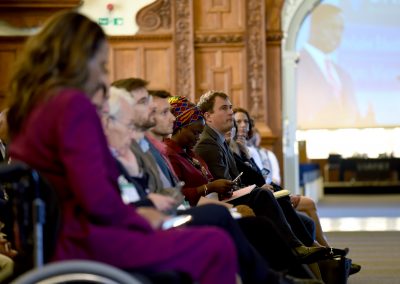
(223, 187)
(220, 186)
(241, 141)
(153, 216)
(162, 202)
(268, 186)
(5, 248)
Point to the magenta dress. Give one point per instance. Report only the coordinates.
(63, 139)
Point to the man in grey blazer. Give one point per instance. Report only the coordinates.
(212, 147)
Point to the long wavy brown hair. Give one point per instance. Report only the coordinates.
(57, 57)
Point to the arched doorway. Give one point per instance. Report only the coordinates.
(293, 14)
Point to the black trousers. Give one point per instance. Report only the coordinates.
(259, 247)
(302, 225)
(264, 236)
(279, 213)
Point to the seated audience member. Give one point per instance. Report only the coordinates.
(194, 183)
(265, 159)
(301, 224)
(245, 143)
(121, 124)
(156, 179)
(192, 170)
(223, 163)
(55, 129)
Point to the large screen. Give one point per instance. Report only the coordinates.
(348, 74)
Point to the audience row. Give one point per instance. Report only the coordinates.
(124, 160)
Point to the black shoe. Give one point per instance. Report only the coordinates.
(309, 255)
(287, 279)
(354, 268)
(339, 252)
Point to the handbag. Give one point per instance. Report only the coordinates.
(335, 270)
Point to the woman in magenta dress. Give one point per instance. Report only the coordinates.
(56, 130)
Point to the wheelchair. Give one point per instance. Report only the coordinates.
(30, 210)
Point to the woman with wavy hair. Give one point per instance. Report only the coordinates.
(55, 129)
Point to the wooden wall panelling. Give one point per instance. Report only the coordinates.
(8, 56)
(32, 13)
(7, 60)
(10, 48)
(159, 67)
(221, 69)
(189, 46)
(152, 60)
(220, 54)
(219, 15)
(274, 106)
(157, 59)
(125, 60)
(274, 38)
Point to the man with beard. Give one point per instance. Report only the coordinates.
(142, 118)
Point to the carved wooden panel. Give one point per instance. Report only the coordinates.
(184, 48)
(221, 69)
(155, 17)
(149, 60)
(32, 13)
(256, 50)
(219, 15)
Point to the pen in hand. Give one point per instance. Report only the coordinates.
(237, 178)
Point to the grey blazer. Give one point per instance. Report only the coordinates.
(218, 158)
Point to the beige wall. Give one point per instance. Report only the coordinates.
(126, 9)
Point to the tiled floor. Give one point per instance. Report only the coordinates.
(360, 212)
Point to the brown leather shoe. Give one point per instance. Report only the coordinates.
(311, 254)
(354, 268)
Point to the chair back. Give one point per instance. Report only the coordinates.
(31, 215)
